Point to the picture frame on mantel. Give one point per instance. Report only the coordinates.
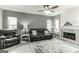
(67, 24)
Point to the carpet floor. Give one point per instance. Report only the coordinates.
(54, 45)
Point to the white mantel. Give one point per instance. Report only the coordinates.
(70, 27)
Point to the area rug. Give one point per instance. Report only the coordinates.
(53, 46)
(43, 46)
(39, 49)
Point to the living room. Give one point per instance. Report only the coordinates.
(34, 28)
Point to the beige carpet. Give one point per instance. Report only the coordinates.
(3, 51)
(46, 46)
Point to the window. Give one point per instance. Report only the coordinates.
(56, 25)
(49, 25)
(12, 22)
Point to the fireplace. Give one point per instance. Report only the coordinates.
(69, 35)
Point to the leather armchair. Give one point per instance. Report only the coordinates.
(11, 38)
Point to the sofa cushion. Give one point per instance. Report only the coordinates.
(9, 36)
(2, 36)
(11, 39)
(36, 36)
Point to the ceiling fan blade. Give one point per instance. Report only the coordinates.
(40, 10)
(52, 11)
(54, 7)
(46, 6)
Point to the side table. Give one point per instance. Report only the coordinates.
(25, 37)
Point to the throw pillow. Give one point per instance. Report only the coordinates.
(34, 32)
(46, 32)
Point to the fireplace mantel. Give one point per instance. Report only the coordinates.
(70, 27)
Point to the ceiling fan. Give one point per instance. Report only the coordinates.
(48, 8)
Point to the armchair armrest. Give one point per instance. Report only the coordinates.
(2, 42)
(16, 35)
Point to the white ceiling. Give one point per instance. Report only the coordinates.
(33, 9)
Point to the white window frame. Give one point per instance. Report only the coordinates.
(57, 25)
(49, 25)
(12, 24)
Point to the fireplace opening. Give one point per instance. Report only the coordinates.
(69, 35)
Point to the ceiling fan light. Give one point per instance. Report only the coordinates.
(47, 11)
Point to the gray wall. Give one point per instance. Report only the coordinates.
(33, 21)
(1, 19)
(70, 15)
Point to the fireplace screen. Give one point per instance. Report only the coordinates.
(69, 35)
